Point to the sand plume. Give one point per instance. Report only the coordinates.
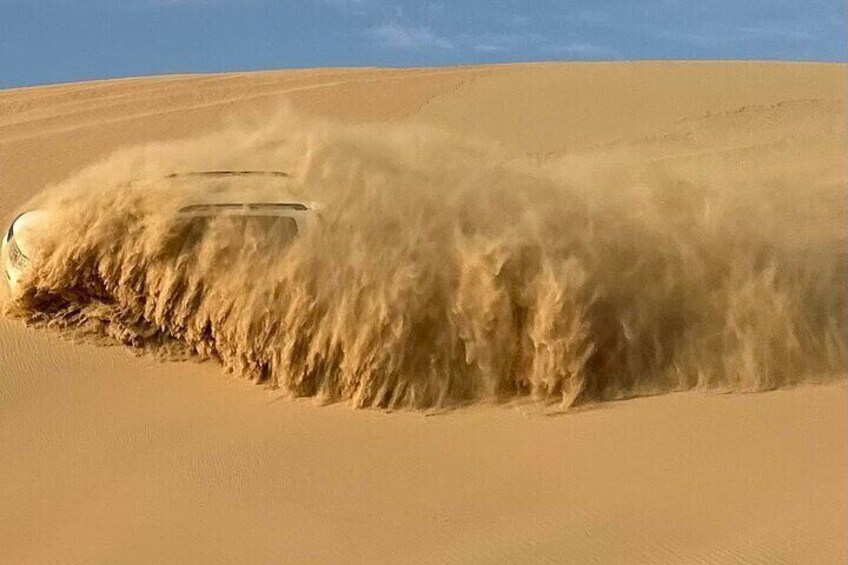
(442, 271)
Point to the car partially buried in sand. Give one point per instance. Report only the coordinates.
(286, 217)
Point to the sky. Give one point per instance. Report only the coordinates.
(49, 41)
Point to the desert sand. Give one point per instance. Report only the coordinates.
(108, 457)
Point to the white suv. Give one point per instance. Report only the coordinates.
(285, 218)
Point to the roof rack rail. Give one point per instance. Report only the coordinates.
(247, 206)
(227, 174)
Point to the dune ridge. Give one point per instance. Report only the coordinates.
(114, 458)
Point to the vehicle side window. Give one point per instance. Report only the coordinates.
(278, 231)
(195, 229)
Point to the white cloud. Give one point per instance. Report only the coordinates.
(488, 48)
(345, 3)
(711, 35)
(577, 48)
(777, 31)
(500, 42)
(182, 2)
(436, 8)
(400, 36)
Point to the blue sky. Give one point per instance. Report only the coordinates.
(45, 41)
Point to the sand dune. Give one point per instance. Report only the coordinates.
(111, 458)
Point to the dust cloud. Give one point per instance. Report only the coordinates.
(443, 271)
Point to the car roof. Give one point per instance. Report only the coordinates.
(218, 200)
